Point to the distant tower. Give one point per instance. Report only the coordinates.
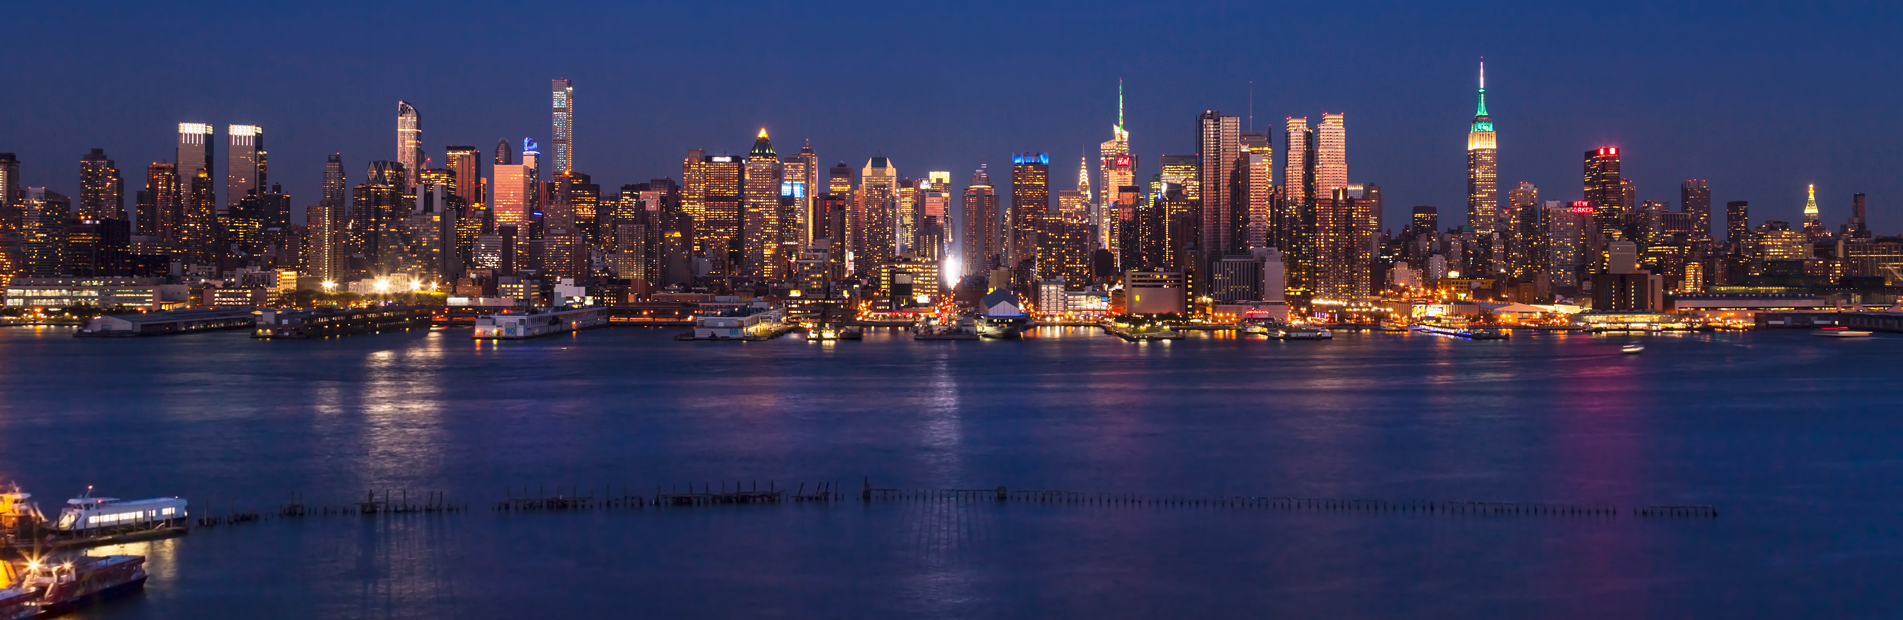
(1118, 167)
(336, 188)
(1218, 144)
(101, 189)
(1811, 217)
(409, 142)
(244, 162)
(466, 162)
(562, 92)
(1605, 190)
(980, 240)
(1331, 154)
(505, 156)
(1030, 204)
(1694, 197)
(1483, 168)
(760, 218)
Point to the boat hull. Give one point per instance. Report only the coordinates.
(130, 587)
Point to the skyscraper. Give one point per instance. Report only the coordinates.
(1426, 220)
(336, 187)
(409, 142)
(198, 204)
(1218, 145)
(1737, 222)
(244, 162)
(723, 178)
(980, 241)
(1255, 191)
(9, 182)
(159, 202)
(194, 152)
(876, 211)
(761, 221)
(563, 94)
(1331, 154)
(1813, 221)
(804, 169)
(1483, 168)
(1605, 191)
(1030, 204)
(1118, 168)
(1694, 197)
(466, 162)
(101, 190)
(1298, 173)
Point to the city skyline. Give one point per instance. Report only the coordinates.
(1412, 150)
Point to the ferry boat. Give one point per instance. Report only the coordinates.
(963, 329)
(87, 516)
(1459, 328)
(50, 587)
(1003, 316)
(1840, 332)
(1285, 331)
(520, 324)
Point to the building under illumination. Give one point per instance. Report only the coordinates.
(562, 101)
(1605, 191)
(1030, 207)
(980, 241)
(762, 218)
(409, 142)
(244, 162)
(1483, 167)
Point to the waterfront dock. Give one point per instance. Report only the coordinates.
(297, 324)
(1136, 335)
(167, 323)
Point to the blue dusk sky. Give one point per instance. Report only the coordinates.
(1758, 98)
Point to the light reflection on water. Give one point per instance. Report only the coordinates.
(1732, 420)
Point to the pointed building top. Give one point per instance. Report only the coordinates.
(762, 133)
(1810, 204)
(1482, 122)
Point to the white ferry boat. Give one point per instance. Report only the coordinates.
(85, 515)
(1458, 328)
(520, 324)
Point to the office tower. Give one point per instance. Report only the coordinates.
(1531, 250)
(193, 153)
(839, 187)
(1737, 222)
(1426, 220)
(804, 170)
(513, 187)
(409, 142)
(1813, 221)
(466, 162)
(1331, 154)
(1605, 191)
(160, 202)
(1483, 167)
(1255, 191)
(244, 162)
(933, 196)
(101, 190)
(1298, 207)
(761, 222)
(9, 181)
(1344, 237)
(1218, 144)
(562, 92)
(1118, 168)
(980, 241)
(197, 222)
(722, 203)
(1030, 205)
(336, 187)
(1567, 227)
(1858, 214)
(42, 230)
(1694, 198)
(694, 191)
(875, 213)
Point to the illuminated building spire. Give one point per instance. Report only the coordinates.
(1119, 103)
(1083, 178)
(1810, 204)
(1482, 122)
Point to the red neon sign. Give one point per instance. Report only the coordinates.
(1123, 161)
(1582, 207)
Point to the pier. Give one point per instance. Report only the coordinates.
(167, 323)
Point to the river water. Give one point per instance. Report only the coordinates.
(1794, 439)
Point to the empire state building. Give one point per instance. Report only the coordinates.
(1483, 167)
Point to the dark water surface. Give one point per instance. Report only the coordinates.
(1798, 440)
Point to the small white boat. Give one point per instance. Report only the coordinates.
(1632, 349)
(1840, 332)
